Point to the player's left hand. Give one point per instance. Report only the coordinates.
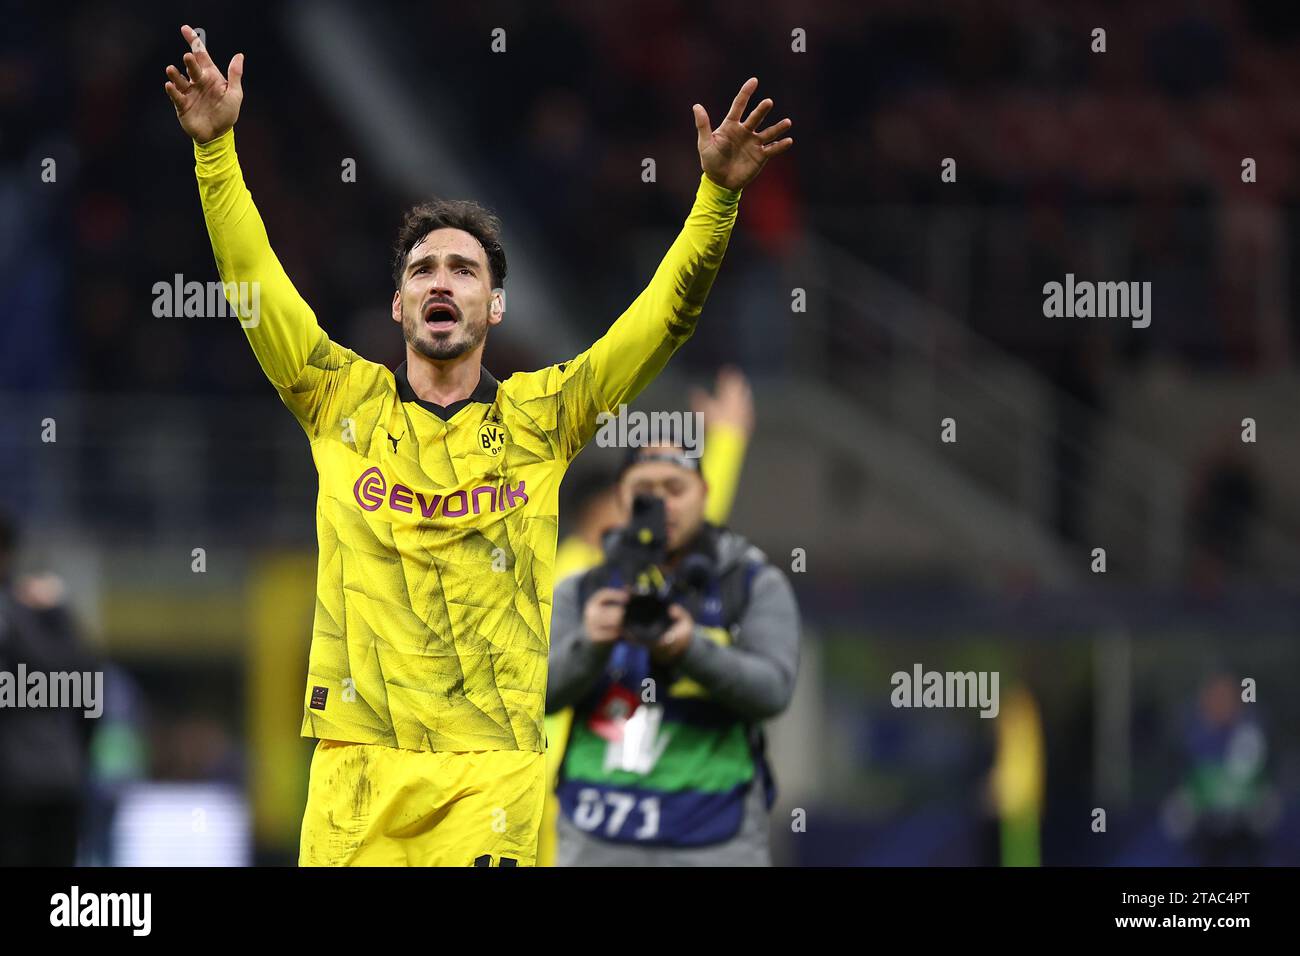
(673, 642)
(734, 153)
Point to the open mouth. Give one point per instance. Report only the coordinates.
(440, 315)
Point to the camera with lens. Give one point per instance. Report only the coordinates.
(638, 552)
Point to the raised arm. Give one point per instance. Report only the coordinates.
(639, 343)
(728, 422)
(289, 343)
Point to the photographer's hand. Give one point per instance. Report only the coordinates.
(677, 638)
(602, 617)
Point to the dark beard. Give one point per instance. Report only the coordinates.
(440, 349)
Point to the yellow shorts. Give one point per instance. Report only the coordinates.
(370, 805)
(557, 735)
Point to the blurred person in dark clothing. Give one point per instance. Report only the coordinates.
(1226, 501)
(42, 750)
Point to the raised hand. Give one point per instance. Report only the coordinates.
(734, 153)
(206, 104)
(732, 401)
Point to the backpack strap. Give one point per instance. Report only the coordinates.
(736, 584)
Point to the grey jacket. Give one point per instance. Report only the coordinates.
(754, 676)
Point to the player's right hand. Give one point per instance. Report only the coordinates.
(602, 618)
(206, 104)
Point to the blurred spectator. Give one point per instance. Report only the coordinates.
(1223, 507)
(118, 759)
(1225, 807)
(42, 749)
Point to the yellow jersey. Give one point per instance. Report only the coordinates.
(437, 526)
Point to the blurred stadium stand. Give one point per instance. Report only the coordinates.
(923, 302)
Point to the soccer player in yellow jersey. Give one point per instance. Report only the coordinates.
(437, 504)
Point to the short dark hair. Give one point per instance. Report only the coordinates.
(479, 222)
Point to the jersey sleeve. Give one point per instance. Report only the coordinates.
(724, 454)
(619, 365)
(304, 365)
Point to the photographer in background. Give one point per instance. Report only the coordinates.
(728, 413)
(672, 652)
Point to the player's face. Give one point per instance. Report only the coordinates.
(446, 302)
(683, 493)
